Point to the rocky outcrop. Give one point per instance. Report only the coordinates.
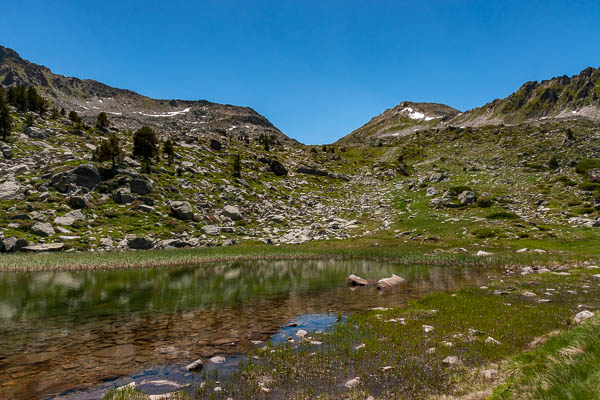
(86, 176)
(182, 210)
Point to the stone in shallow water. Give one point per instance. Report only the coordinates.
(387, 283)
(217, 360)
(354, 280)
(196, 365)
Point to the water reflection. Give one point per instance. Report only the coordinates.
(68, 330)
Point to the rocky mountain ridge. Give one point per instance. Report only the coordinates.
(559, 98)
(129, 110)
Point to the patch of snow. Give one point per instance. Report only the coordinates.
(168, 114)
(232, 127)
(574, 111)
(114, 113)
(412, 114)
(84, 107)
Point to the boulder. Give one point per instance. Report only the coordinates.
(276, 167)
(140, 186)
(194, 366)
(387, 283)
(12, 245)
(42, 229)
(123, 196)
(69, 218)
(11, 190)
(233, 213)
(78, 202)
(182, 210)
(467, 197)
(437, 177)
(37, 133)
(140, 243)
(582, 316)
(211, 230)
(215, 145)
(86, 176)
(354, 280)
(44, 247)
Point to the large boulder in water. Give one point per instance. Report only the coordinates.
(387, 283)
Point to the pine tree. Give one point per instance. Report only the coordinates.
(145, 146)
(169, 151)
(73, 116)
(109, 150)
(102, 121)
(5, 118)
(237, 166)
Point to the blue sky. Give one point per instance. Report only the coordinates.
(316, 69)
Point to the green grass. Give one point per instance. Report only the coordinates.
(564, 367)
(369, 342)
(587, 164)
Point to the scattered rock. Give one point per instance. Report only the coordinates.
(212, 230)
(491, 340)
(78, 202)
(233, 213)
(123, 196)
(43, 229)
(467, 197)
(482, 253)
(352, 382)
(140, 243)
(450, 360)
(215, 145)
(44, 247)
(182, 210)
(141, 186)
(69, 218)
(582, 316)
(11, 190)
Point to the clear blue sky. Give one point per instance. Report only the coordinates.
(316, 69)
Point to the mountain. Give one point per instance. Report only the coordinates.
(560, 98)
(130, 110)
(404, 119)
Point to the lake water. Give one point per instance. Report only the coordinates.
(77, 334)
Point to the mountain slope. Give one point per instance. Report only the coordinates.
(557, 98)
(130, 110)
(404, 119)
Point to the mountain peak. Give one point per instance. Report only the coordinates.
(404, 119)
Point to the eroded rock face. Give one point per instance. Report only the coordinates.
(182, 210)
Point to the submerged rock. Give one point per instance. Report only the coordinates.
(387, 283)
(196, 365)
(354, 280)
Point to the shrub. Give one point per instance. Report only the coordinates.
(484, 233)
(565, 180)
(503, 215)
(589, 187)
(484, 202)
(586, 164)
